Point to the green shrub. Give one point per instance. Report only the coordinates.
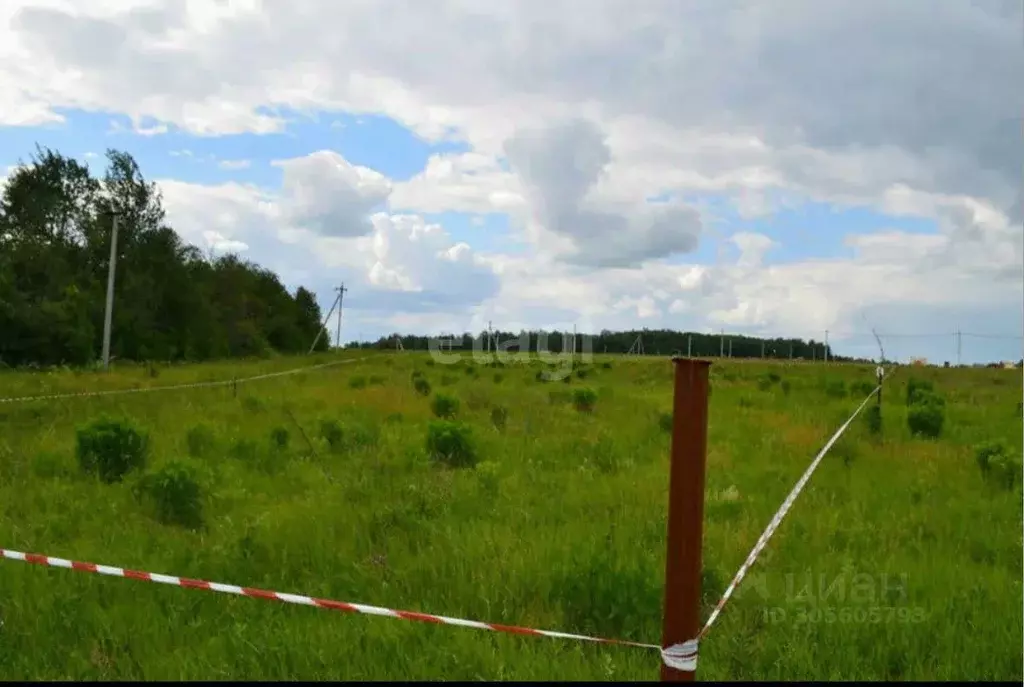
(926, 415)
(175, 494)
(917, 388)
(785, 386)
(582, 372)
(200, 440)
(357, 382)
(422, 386)
(444, 406)
(773, 377)
(606, 365)
(279, 438)
(997, 464)
(489, 477)
(331, 432)
(666, 422)
(499, 417)
(498, 377)
(873, 419)
(584, 399)
(111, 448)
(429, 363)
(451, 443)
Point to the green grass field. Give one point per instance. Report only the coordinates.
(899, 560)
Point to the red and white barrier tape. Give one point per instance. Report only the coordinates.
(196, 385)
(776, 520)
(679, 656)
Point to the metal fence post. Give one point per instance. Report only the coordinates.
(685, 510)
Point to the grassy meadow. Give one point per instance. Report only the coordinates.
(901, 559)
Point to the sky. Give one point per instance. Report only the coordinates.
(784, 168)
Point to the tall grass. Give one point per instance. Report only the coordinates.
(901, 541)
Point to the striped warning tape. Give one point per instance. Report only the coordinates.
(196, 385)
(680, 656)
(776, 520)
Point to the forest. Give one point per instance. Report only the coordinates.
(171, 301)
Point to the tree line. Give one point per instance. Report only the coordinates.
(654, 342)
(171, 302)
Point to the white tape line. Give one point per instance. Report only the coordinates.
(776, 520)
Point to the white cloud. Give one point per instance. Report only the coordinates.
(330, 196)
(912, 109)
(234, 164)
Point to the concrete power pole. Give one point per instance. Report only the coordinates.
(721, 345)
(959, 346)
(689, 346)
(111, 268)
(341, 297)
(826, 345)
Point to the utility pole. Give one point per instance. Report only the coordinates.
(689, 346)
(341, 297)
(959, 346)
(323, 326)
(111, 268)
(730, 348)
(826, 345)
(490, 336)
(762, 349)
(721, 345)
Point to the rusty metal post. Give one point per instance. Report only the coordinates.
(685, 509)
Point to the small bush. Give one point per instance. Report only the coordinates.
(499, 417)
(444, 406)
(786, 387)
(873, 419)
(773, 377)
(584, 399)
(498, 377)
(582, 372)
(666, 422)
(451, 443)
(357, 382)
(111, 448)
(429, 363)
(422, 386)
(331, 432)
(926, 415)
(997, 464)
(279, 438)
(917, 388)
(175, 494)
(200, 440)
(489, 477)
(606, 365)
